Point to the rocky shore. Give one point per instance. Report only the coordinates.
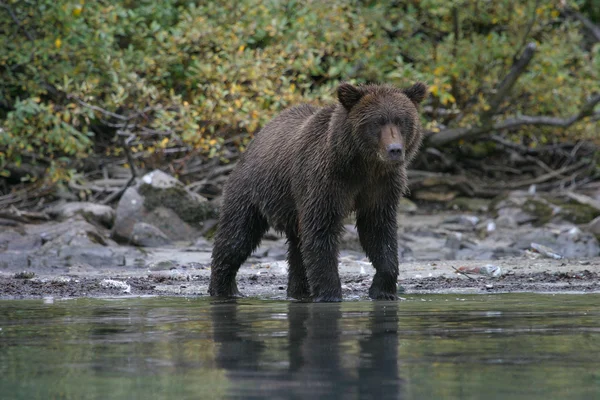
(158, 241)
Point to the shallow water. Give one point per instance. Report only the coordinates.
(517, 346)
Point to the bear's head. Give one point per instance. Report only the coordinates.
(384, 119)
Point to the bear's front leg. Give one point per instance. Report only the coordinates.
(320, 232)
(377, 231)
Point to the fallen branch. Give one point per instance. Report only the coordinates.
(450, 135)
(583, 199)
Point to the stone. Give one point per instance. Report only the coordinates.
(14, 260)
(147, 235)
(470, 204)
(406, 206)
(162, 201)
(594, 227)
(26, 242)
(566, 242)
(92, 212)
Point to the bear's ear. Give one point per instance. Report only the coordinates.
(417, 92)
(349, 95)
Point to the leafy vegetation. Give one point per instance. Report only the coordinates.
(183, 79)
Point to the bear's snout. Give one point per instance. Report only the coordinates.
(391, 144)
(395, 152)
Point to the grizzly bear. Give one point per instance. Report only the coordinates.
(305, 171)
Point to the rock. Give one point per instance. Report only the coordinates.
(583, 245)
(14, 241)
(428, 195)
(6, 237)
(14, 260)
(270, 250)
(163, 265)
(147, 235)
(406, 206)
(94, 255)
(575, 213)
(27, 242)
(71, 242)
(113, 284)
(99, 213)
(594, 227)
(161, 201)
(454, 241)
(470, 204)
(349, 240)
(202, 244)
(512, 217)
(565, 241)
(544, 208)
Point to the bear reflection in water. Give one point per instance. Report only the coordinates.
(320, 362)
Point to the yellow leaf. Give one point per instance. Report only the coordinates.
(58, 43)
(241, 48)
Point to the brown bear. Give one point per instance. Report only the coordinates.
(305, 171)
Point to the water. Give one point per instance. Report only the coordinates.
(517, 346)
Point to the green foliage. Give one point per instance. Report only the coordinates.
(185, 76)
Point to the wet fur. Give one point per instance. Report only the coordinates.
(307, 170)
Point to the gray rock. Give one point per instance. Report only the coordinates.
(470, 204)
(406, 206)
(99, 213)
(161, 201)
(349, 239)
(567, 242)
(163, 265)
(202, 244)
(511, 216)
(147, 235)
(15, 241)
(27, 242)
(129, 211)
(594, 227)
(72, 242)
(14, 260)
(94, 255)
(581, 245)
(8, 236)
(72, 227)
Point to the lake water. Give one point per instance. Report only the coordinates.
(514, 346)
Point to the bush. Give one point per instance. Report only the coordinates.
(181, 77)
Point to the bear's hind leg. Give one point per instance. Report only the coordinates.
(297, 282)
(241, 228)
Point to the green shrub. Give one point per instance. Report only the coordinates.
(187, 75)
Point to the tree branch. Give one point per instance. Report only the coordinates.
(589, 25)
(528, 29)
(16, 20)
(508, 82)
(449, 135)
